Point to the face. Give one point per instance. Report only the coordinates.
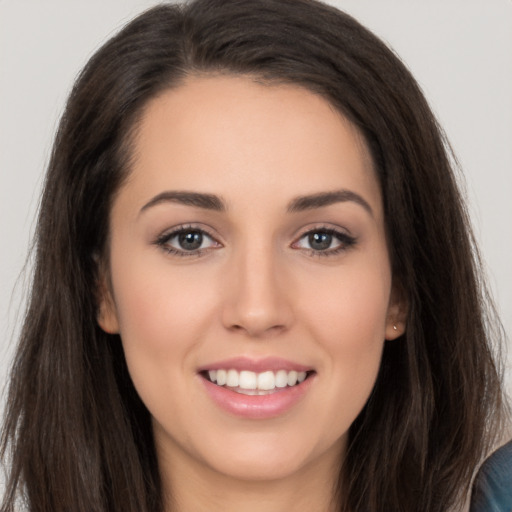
(250, 277)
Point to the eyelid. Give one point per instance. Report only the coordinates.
(345, 239)
(162, 240)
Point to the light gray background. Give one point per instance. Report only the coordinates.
(459, 50)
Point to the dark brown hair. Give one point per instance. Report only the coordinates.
(77, 435)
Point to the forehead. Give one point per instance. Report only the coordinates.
(231, 134)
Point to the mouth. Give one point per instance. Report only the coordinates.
(257, 389)
(252, 383)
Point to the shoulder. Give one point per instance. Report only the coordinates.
(492, 490)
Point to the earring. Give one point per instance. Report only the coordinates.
(395, 328)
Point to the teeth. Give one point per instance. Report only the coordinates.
(292, 378)
(256, 383)
(266, 380)
(232, 379)
(247, 380)
(281, 379)
(221, 377)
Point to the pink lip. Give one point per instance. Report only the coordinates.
(256, 406)
(255, 365)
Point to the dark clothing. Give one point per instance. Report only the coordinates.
(492, 490)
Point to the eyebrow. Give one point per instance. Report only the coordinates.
(298, 204)
(321, 199)
(197, 199)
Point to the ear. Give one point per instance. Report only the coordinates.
(106, 315)
(396, 320)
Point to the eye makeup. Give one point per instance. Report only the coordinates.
(192, 240)
(187, 241)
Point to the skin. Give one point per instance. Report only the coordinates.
(255, 289)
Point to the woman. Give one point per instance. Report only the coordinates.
(255, 283)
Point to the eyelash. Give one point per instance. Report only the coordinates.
(163, 241)
(345, 241)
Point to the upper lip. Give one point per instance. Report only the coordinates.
(255, 365)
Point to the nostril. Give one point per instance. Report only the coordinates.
(257, 331)
(257, 305)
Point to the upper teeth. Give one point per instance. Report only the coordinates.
(250, 380)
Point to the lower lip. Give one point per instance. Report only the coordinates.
(257, 406)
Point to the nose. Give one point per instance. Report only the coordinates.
(257, 294)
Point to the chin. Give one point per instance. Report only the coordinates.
(259, 470)
(259, 458)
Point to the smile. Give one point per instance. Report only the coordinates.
(257, 389)
(251, 383)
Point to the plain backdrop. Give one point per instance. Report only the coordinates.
(459, 50)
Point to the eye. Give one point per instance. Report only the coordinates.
(324, 241)
(186, 241)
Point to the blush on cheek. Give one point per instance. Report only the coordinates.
(145, 305)
(356, 322)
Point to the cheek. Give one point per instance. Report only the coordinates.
(350, 311)
(163, 314)
(156, 301)
(348, 321)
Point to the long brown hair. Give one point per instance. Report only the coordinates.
(77, 436)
